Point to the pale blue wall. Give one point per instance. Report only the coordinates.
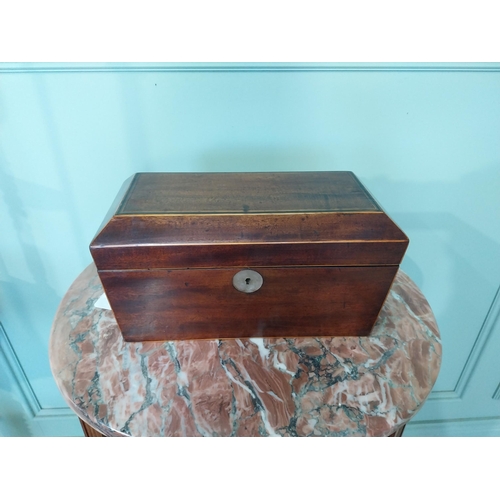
(425, 143)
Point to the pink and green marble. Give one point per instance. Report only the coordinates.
(328, 386)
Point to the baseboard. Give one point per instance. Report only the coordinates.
(474, 427)
(66, 424)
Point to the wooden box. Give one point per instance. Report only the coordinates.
(227, 255)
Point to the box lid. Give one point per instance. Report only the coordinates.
(184, 220)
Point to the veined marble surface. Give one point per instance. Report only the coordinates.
(328, 386)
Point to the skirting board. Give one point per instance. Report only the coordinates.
(70, 426)
(476, 427)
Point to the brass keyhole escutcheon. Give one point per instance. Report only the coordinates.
(247, 281)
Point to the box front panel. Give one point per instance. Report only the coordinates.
(204, 303)
(272, 240)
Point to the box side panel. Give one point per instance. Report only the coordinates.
(118, 201)
(203, 304)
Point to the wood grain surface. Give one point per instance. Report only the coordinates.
(167, 255)
(203, 304)
(350, 239)
(159, 193)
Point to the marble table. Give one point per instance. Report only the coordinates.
(328, 386)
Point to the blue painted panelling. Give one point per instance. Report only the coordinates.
(20, 411)
(426, 144)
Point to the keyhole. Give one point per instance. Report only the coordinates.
(247, 281)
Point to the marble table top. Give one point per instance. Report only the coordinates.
(328, 386)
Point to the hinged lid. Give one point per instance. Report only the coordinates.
(184, 220)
